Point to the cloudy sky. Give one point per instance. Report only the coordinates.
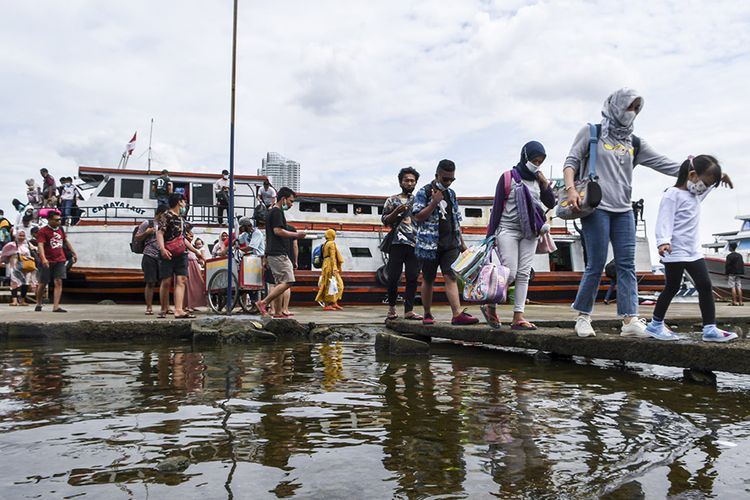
(355, 90)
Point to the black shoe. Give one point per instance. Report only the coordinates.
(38, 308)
(59, 310)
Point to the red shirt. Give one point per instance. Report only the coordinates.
(53, 243)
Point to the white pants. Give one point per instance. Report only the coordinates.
(517, 254)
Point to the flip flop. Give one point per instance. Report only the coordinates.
(149, 313)
(161, 315)
(523, 326)
(414, 317)
(493, 322)
(185, 316)
(391, 317)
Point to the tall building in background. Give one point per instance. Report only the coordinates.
(281, 171)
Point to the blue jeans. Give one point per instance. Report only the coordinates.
(599, 229)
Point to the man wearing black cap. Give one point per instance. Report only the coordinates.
(221, 189)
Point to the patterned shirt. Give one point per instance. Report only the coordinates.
(407, 231)
(428, 233)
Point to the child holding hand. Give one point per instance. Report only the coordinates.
(678, 240)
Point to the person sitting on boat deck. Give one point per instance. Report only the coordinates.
(401, 258)
(678, 241)
(162, 188)
(278, 245)
(734, 268)
(51, 241)
(618, 151)
(221, 190)
(438, 241)
(330, 284)
(517, 221)
(34, 196)
(150, 259)
(195, 288)
(22, 278)
(170, 234)
(49, 189)
(267, 194)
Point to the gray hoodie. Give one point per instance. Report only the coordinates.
(614, 166)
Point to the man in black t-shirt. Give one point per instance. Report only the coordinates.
(734, 269)
(278, 245)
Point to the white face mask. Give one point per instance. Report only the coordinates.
(532, 168)
(696, 188)
(628, 117)
(226, 177)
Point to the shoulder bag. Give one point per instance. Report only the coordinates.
(588, 188)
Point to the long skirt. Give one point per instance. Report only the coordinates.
(195, 293)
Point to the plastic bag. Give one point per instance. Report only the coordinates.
(333, 287)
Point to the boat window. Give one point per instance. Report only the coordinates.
(152, 189)
(304, 258)
(131, 188)
(743, 245)
(360, 252)
(362, 209)
(309, 206)
(108, 191)
(380, 209)
(745, 225)
(560, 259)
(203, 194)
(338, 208)
(473, 212)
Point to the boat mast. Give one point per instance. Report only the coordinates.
(150, 134)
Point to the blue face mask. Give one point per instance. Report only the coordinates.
(183, 211)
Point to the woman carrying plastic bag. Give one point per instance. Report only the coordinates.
(331, 286)
(517, 222)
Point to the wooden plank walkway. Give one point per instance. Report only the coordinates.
(691, 353)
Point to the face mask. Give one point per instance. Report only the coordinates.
(532, 168)
(407, 190)
(440, 186)
(183, 211)
(628, 117)
(226, 177)
(696, 188)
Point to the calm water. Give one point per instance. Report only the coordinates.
(334, 421)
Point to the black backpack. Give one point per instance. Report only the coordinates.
(138, 245)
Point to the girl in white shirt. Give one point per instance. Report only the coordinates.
(678, 241)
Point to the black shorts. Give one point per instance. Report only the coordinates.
(444, 259)
(176, 266)
(56, 270)
(150, 267)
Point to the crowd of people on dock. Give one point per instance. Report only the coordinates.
(425, 236)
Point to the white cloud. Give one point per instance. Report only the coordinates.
(348, 88)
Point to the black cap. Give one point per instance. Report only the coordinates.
(225, 172)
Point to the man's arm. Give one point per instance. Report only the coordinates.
(72, 251)
(423, 214)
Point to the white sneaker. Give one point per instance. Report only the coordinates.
(636, 328)
(583, 326)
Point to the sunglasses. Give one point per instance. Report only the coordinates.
(447, 179)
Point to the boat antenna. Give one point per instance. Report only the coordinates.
(230, 215)
(150, 135)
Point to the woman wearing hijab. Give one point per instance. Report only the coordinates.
(331, 269)
(517, 221)
(20, 282)
(195, 292)
(618, 152)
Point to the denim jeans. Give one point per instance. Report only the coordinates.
(599, 229)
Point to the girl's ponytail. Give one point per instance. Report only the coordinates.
(701, 164)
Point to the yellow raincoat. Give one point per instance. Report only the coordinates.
(332, 260)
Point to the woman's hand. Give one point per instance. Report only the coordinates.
(665, 249)
(726, 181)
(574, 199)
(542, 179)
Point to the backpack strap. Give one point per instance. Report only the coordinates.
(594, 131)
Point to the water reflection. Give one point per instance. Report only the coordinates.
(334, 420)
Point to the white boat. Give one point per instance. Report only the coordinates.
(716, 252)
(121, 198)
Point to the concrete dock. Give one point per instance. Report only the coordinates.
(555, 333)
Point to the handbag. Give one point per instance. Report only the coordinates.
(545, 244)
(26, 264)
(176, 246)
(385, 245)
(588, 188)
(490, 285)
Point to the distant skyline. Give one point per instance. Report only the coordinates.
(354, 91)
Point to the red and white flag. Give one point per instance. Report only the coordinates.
(130, 146)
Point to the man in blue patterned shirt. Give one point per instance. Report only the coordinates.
(439, 241)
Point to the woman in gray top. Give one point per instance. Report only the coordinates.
(618, 152)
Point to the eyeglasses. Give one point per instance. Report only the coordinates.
(447, 179)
